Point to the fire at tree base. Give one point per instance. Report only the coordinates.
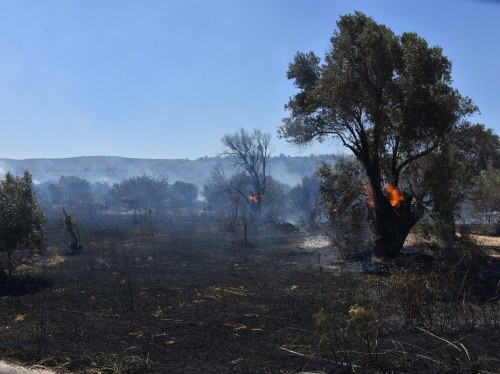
(391, 222)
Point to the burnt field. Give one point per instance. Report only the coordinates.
(185, 297)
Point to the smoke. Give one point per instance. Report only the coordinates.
(109, 170)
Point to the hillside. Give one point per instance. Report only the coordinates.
(113, 169)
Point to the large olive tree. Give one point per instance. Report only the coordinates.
(387, 98)
(22, 223)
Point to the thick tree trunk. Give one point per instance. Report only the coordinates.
(389, 234)
(390, 226)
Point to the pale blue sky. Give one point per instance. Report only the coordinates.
(167, 79)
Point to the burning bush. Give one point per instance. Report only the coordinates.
(342, 192)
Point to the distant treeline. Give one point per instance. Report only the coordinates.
(109, 170)
(139, 191)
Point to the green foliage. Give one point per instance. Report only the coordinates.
(485, 197)
(141, 192)
(22, 223)
(452, 176)
(371, 80)
(387, 98)
(365, 322)
(342, 191)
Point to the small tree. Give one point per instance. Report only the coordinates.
(249, 153)
(238, 192)
(71, 226)
(342, 188)
(347, 196)
(139, 193)
(22, 223)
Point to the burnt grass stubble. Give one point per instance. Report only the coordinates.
(182, 296)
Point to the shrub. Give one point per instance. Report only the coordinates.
(22, 223)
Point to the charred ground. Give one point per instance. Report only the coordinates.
(182, 296)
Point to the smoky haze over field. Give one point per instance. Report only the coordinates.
(108, 169)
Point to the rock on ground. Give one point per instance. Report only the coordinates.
(6, 368)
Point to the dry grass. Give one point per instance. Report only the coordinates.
(492, 243)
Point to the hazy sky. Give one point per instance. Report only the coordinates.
(167, 79)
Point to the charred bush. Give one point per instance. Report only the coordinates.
(71, 226)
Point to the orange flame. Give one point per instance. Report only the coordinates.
(331, 212)
(395, 196)
(253, 198)
(369, 196)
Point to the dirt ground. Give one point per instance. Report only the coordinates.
(183, 298)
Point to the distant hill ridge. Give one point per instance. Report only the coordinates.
(113, 169)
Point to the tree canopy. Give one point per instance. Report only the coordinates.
(140, 192)
(22, 223)
(389, 99)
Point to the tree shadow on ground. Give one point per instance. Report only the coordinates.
(23, 285)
